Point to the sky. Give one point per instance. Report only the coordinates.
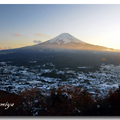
(29, 24)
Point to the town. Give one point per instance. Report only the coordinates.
(16, 79)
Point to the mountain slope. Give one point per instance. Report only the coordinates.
(64, 38)
(67, 41)
(60, 42)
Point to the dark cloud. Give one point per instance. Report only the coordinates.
(17, 35)
(37, 41)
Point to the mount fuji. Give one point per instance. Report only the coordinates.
(63, 50)
(64, 38)
(67, 41)
(63, 41)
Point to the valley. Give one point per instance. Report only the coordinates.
(58, 64)
(16, 79)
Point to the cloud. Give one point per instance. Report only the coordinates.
(38, 34)
(42, 35)
(17, 35)
(37, 41)
(5, 48)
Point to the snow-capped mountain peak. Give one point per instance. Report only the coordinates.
(64, 38)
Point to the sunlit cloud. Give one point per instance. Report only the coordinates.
(38, 34)
(42, 35)
(17, 35)
(37, 41)
(1, 48)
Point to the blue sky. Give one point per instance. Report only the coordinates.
(22, 24)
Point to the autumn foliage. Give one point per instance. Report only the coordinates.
(63, 101)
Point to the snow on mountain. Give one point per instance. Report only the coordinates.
(66, 41)
(64, 38)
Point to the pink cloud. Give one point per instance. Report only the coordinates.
(17, 35)
(40, 34)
